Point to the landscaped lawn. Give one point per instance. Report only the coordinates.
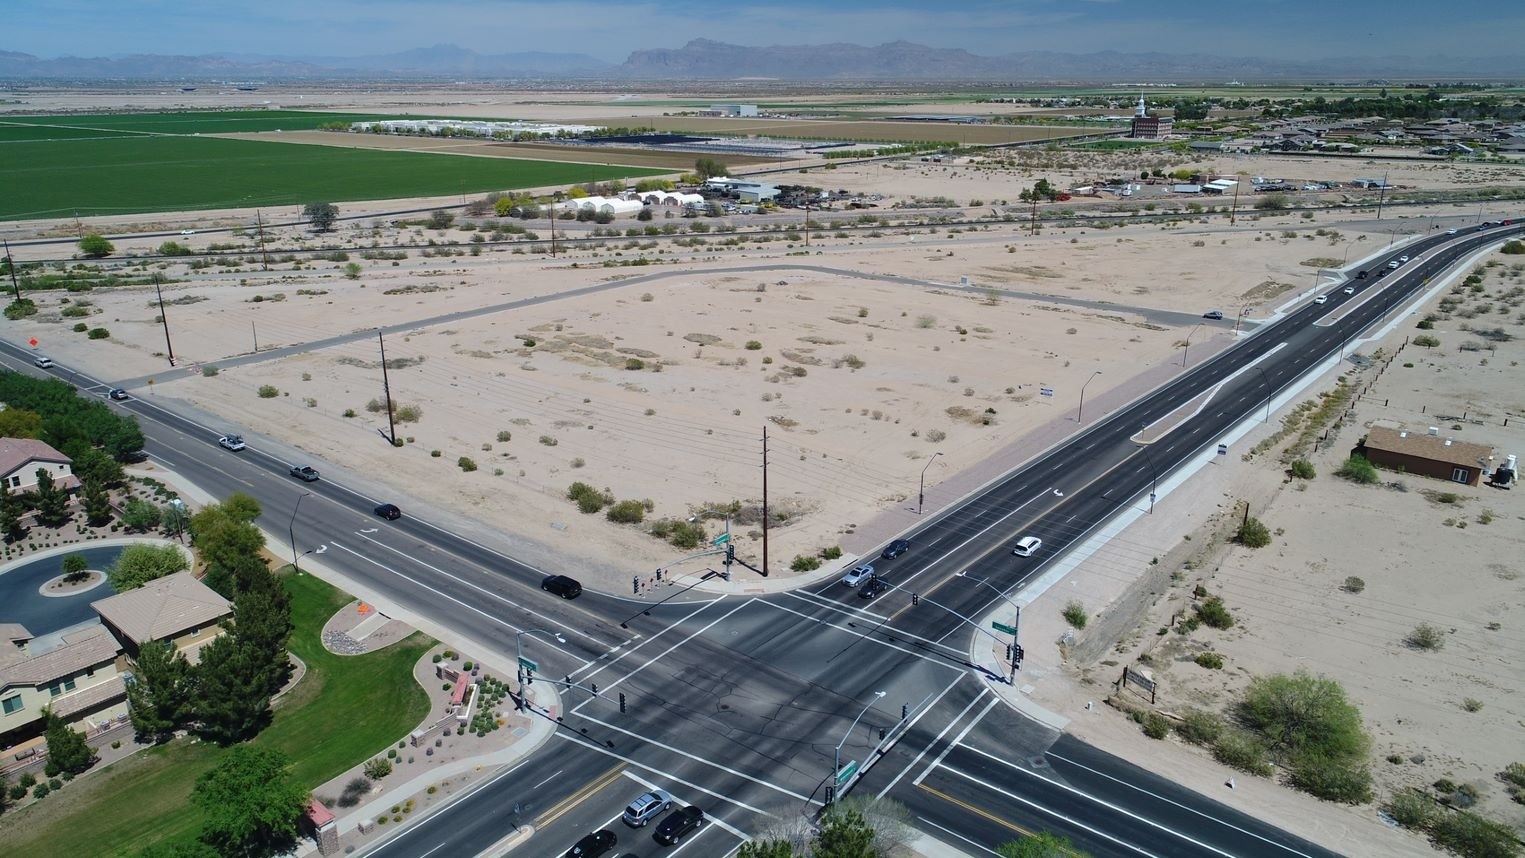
(346, 709)
(141, 173)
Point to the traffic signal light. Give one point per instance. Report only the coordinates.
(730, 553)
(915, 598)
(622, 701)
(831, 794)
(905, 711)
(1017, 653)
(595, 687)
(529, 677)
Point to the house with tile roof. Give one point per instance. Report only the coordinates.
(176, 609)
(79, 679)
(22, 458)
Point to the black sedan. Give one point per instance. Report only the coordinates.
(593, 845)
(873, 587)
(561, 585)
(389, 511)
(895, 549)
(678, 823)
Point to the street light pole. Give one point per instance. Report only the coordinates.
(836, 762)
(921, 489)
(1268, 390)
(1080, 412)
(291, 532)
(1186, 352)
(1016, 623)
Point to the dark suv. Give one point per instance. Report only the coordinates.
(895, 549)
(561, 585)
(593, 845)
(678, 823)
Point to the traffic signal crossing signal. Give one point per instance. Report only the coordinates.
(622, 701)
(915, 598)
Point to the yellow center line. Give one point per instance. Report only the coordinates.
(580, 796)
(981, 812)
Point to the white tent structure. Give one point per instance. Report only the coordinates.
(667, 198)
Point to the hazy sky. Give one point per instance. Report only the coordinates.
(1285, 29)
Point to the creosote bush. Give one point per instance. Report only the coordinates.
(1075, 614)
(1358, 469)
(1253, 533)
(268, 391)
(1426, 637)
(805, 563)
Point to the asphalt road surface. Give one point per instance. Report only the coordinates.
(743, 705)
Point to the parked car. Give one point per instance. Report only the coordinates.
(561, 585)
(895, 549)
(305, 473)
(678, 823)
(1213, 314)
(646, 807)
(873, 587)
(389, 511)
(593, 845)
(118, 394)
(1027, 546)
(43, 362)
(857, 575)
(232, 442)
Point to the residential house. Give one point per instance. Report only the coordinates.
(1425, 454)
(22, 458)
(174, 610)
(78, 679)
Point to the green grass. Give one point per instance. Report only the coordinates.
(10, 133)
(346, 709)
(198, 121)
(149, 174)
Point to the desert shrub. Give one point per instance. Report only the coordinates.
(753, 345)
(805, 563)
(1427, 341)
(1515, 247)
(1410, 808)
(1472, 704)
(1200, 727)
(1358, 470)
(926, 321)
(504, 436)
(1309, 724)
(268, 391)
(1353, 585)
(634, 364)
(548, 441)
(1075, 614)
(831, 552)
(627, 512)
(1426, 637)
(1468, 834)
(1346, 781)
(1253, 533)
(1213, 613)
(466, 464)
(685, 535)
(936, 435)
(99, 334)
(1209, 660)
(1514, 773)
(377, 768)
(409, 413)
(1242, 751)
(588, 499)
(80, 327)
(1303, 469)
(1156, 726)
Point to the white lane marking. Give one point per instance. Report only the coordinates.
(959, 836)
(956, 739)
(1057, 815)
(432, 851)
(1067, 788)
(483, 590)
(665, 652)
(548, 780)
(672, 777)
(912, 764)
(977, 535)
(864, 636)
(651, 785)
(1180, 805)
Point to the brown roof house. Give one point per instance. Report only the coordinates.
(78, 679)
(175, 609)
(21, 458)
(1425, 453)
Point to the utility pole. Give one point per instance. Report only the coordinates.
(255, 331)
(262, 252)
(11, 264)
(163, 319)
(1033, 228)
(765, 501)
(553, 226)
(79, 228)
(1381, 195)
(807, 223)
(386, 387)
(1233, 213)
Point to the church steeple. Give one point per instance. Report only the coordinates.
(1140, 111)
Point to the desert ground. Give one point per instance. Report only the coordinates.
(645, 380)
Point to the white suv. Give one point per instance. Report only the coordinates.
(1027, 546)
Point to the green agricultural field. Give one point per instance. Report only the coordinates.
(197, 121)
(172, 173)
(16, 132)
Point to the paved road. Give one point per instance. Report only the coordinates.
(24, 602)
(743, 701)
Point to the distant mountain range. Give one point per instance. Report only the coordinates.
(703, 59)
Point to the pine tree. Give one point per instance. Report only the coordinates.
(158, 699)
(262, 624)
(52, 501)
(67, 750)
(230, 701)
(97, 505)
(844, 834)
(10, 515)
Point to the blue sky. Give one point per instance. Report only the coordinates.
(1285, 29)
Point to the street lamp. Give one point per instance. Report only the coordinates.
(1186, 352)
(1154, 475)
(836, 762)
(519, 647)
(1268, 390)
(291, 533)
(1079, 412)
(1016, 622)
(921, 489)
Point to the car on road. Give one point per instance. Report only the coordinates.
(187, 232)
(1213, 314)
(305, 473)
(1361, 275)
(873, 587)
(895, 549)
(1402, 260)
(561, 585)
(1321, 299)
(593, 845)
(118, 394)
(43, 362)
(647, 807)
(389, 511)
(1027, 546)
(857, 575)
(1394, 264)
(1350, 290)
(678, 823)
(1450, 232)
(232, 442)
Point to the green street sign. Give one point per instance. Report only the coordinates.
(847, 772)
(528, 665)
(1002, 627)
(721, 539)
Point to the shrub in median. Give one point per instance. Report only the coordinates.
(1358, 470)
